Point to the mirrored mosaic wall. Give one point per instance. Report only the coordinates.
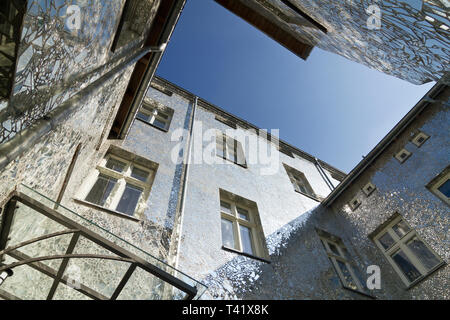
(408, 39)
(58, 55)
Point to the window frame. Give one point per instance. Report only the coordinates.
(399, 153)
(225, 152)
(343, 257)
(154, 114)
(366, 190)
(434, 185)
(123, 178)
(259, 248)
(401, 244)
(296, 176)
(415, 139)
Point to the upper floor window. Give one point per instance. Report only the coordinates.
(157, 117)
(11, 16)
(119, 185)
(341, 261)
(229, 149)
(241, 228)
(133, 22)
(300, 182)
(440, 186)
(420, 138)
(408, 254)
(402, 155)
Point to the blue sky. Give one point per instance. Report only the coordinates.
(328, 106)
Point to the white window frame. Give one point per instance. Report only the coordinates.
(231, 149)
(298, 177)
(123, 178)
(402, 151)
(155, 114)
(418, 136)
(257, 235)
(343, 257)
(400, 243)
(436, 183)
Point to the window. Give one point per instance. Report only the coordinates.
(402, 155)
(354, 203)
(420, 138)
(133, 23)
(11, 16)
(119, 185)
(410, 257)
(300, 182)
(226, 121)
(157, 117)
(241, 229)
(369, 188)
(440, 186)
(340, 260)
(229, 149)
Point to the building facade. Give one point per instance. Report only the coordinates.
(117, 184)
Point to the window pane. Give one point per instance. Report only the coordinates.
(421, 251)
(401, 229)
(225, 207)
(162, 115)
(129, 200)
(159, 123)
(143, 116)
(243, 214)
(227, 233)
(386, 240)
(101, 190)
(406, 266)
(334, 249)
(445, 188)
(139, 174)
(231, 150)
(246, 238)
(347, 275)
(115, 165)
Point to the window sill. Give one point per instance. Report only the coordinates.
(113, 212)
(245, 254)
(307, 195)
(423, 278)
(150, 124)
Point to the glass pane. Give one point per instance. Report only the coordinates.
(406, 266)
(334, 249)
(225, 207)
(243, 214)
(159, 123)
(101, 190)
(115, 165)
(227, 233)
(428, 259)
(219, 146)
(143, 116)
(445, 188)
(162, 115)
(246, 238)
(231, 150)
(401, 229)
(139, 174)
(347, 275)
(129, 200)
(386, 240)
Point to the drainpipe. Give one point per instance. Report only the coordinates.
(184, 181)
(324, 174)
(5, 274)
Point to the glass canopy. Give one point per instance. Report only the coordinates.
(55, 253)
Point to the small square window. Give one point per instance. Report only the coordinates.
(157, 117)
(402, 155)
(420, 139)
(354, 203)
(369, 188)
(440, 186)
(230, 149)
(299, 182)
